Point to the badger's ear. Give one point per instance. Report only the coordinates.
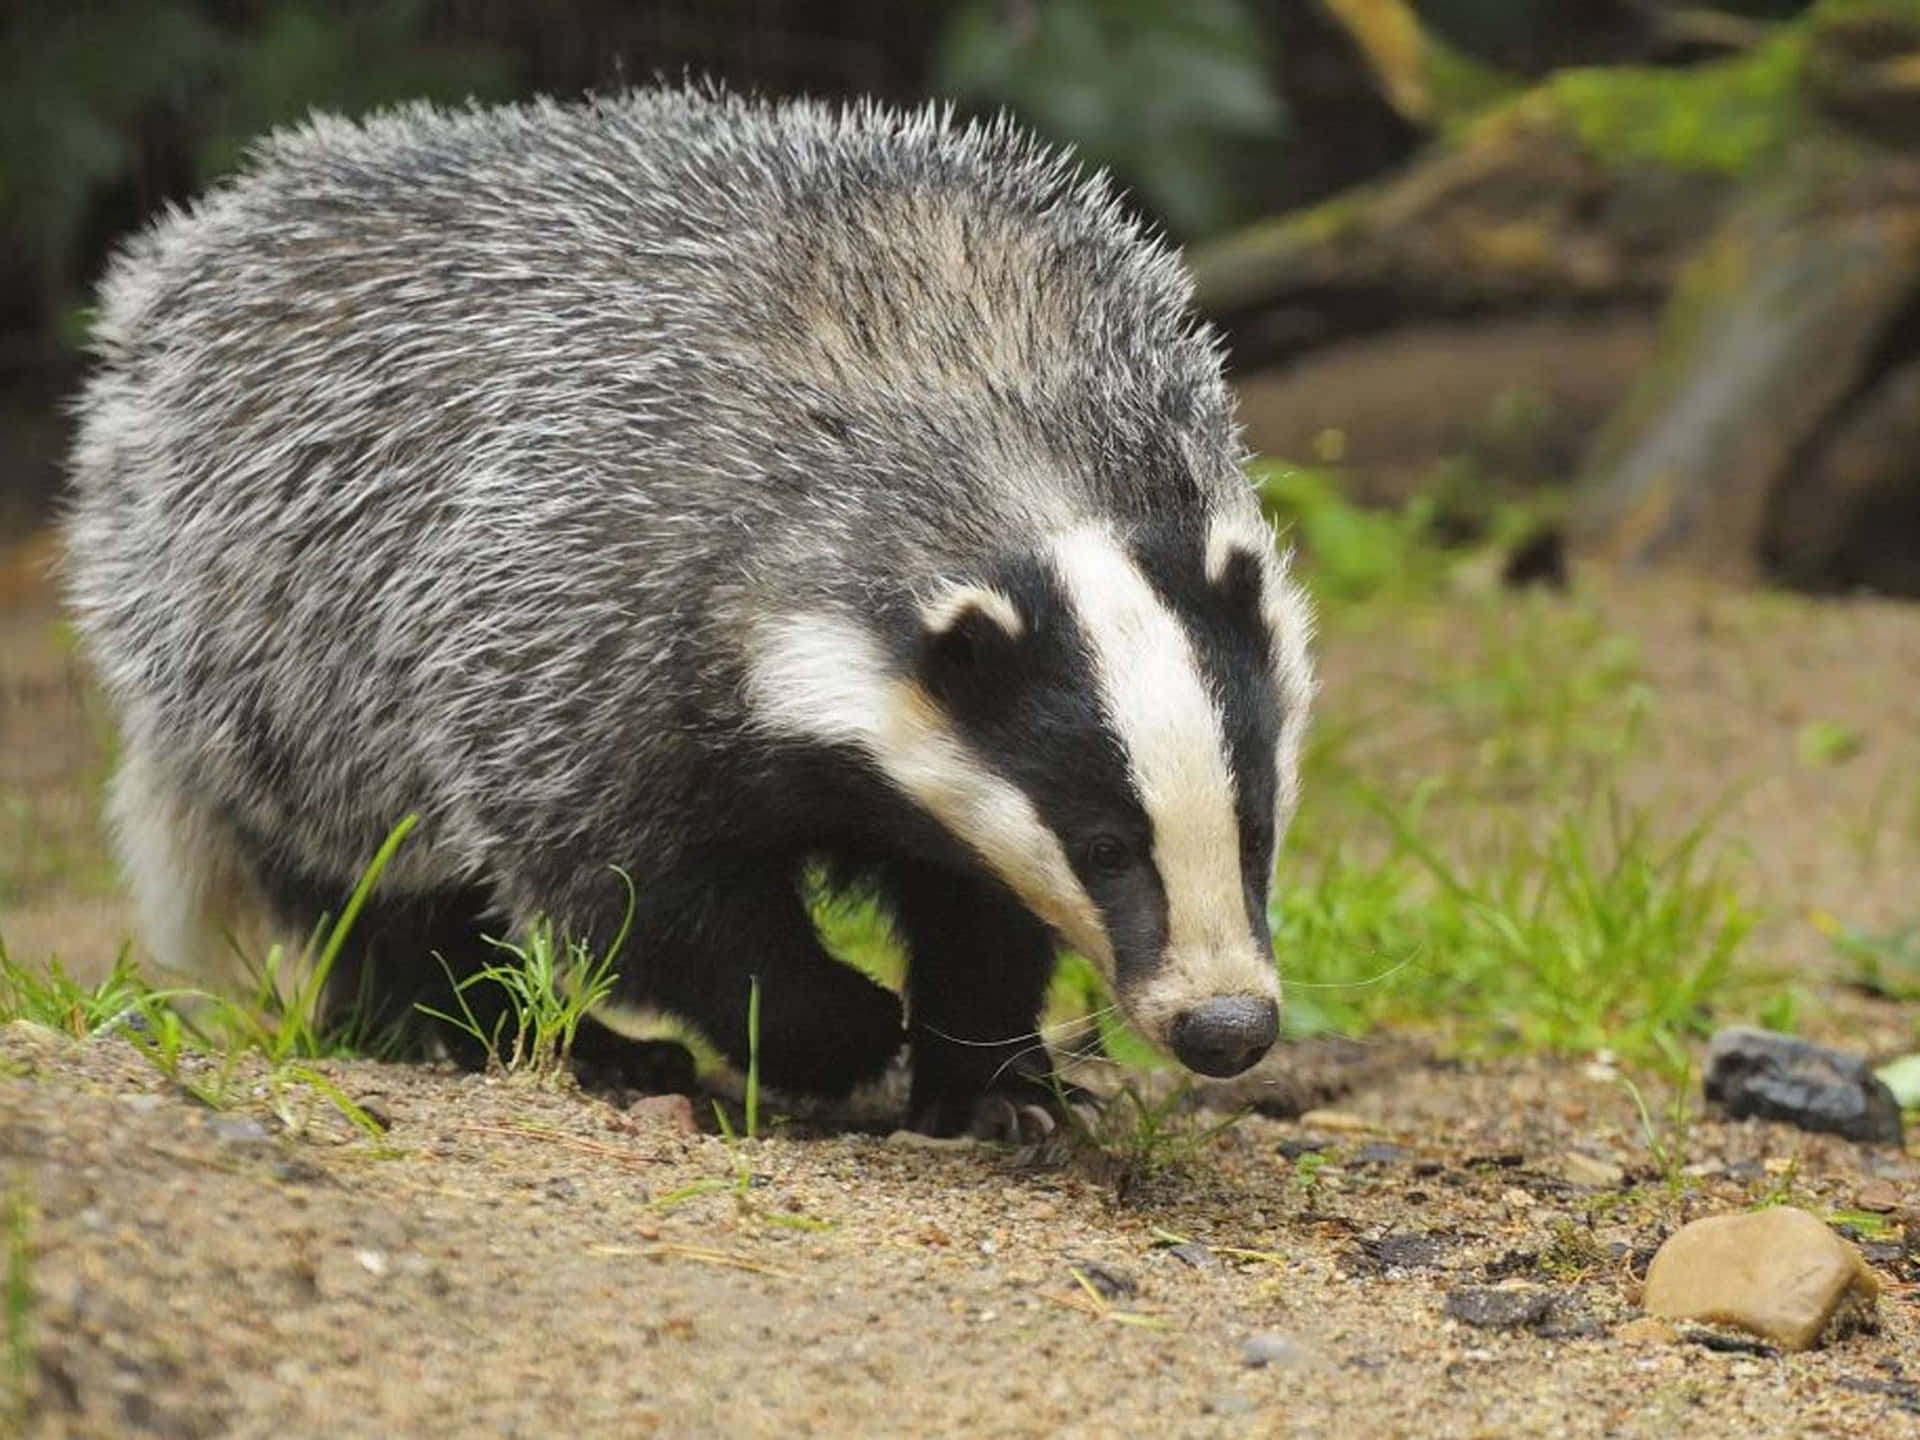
(964, 630)
(1236, 564)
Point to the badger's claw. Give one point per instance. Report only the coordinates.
(1030, 1112)
(1035, 1120)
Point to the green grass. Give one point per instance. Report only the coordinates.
(206, 1043)
(1349, 554)
(203, 1042)
(49, 996)
(1551, 701)
(551, 981)
(740, 1182)
(1590, 934)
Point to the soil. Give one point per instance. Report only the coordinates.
(517, 1259)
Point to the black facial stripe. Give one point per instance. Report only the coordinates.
(1040, 722)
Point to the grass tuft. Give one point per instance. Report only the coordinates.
(1592, 935)
(552, 981)
(51, 997)
(1133, 1139)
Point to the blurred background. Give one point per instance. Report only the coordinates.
(1646, 268)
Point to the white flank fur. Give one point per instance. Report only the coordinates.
(201, 911)
(1169, 725)
(822, 677)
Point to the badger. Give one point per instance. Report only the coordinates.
(712, 488)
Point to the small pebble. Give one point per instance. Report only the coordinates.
(239, 1130)
(668, 1112)
(1409, 1250)
(1882, 1197)
(1272, 1347)
(1498, 1307)
(1196, 1255)
(1590, 1171)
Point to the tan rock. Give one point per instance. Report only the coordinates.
(1647, 1330)
(1581, 1169)
(1779, 1273)
(1880, 1196)
(671, 1112)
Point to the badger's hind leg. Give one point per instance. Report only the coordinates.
(824, 1026)
(199, 908)
(977, 981)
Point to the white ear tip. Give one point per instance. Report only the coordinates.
(943, 613)
(1227, 540)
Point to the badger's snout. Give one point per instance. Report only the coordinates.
(1224, 1036)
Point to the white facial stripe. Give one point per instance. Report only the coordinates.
(1290, 626)
(821, 677)
(1169, 725)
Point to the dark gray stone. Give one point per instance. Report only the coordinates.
(1499, 1309)
(1196, 1255)
(1409, 1250)
(1777, 1077)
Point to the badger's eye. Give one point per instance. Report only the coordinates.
(1108, 855)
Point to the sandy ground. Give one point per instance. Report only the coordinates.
(515, 1260)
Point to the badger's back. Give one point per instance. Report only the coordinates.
(437, 458)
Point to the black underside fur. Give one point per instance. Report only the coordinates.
(980, 965)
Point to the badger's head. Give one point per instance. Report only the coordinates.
(1112, 725)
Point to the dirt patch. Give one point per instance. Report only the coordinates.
(520, 1260)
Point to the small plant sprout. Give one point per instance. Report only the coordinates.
(741, 1183)
(1669, 1147)
(552, 981)
(1136, 1138)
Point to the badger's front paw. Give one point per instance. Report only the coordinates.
(1023, 1110)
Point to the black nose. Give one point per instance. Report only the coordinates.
(1225, 1036)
